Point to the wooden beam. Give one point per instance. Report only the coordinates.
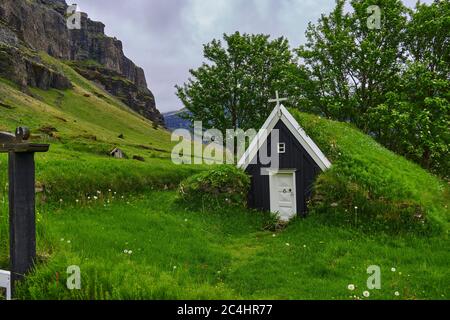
(22, 216)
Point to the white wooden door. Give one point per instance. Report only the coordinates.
(283, 200)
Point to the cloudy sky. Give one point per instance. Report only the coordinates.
(165, 37)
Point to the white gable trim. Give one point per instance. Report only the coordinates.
(281, 113)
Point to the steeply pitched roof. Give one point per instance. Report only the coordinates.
(280, 113)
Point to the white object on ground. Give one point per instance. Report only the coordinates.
(5, 282)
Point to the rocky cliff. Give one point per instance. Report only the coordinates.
(40, 25)
(90, 42)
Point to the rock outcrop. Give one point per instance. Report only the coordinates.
(41, 25)
(90, 42)
(28, 70)
(139, 99)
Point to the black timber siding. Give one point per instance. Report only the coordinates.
(295, 157)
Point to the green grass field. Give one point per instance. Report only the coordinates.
(96, 209)
(185, 254)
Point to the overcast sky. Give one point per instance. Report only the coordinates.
(165, 37)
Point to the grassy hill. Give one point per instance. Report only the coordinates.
(369, 184)
(372, 208)
(83, 125)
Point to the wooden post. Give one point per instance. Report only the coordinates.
(22, 215)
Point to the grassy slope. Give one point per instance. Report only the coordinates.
(88, 122)
(386, 188)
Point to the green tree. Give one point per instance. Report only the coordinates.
(232, 89)
(428, 37)
(350, 66)
(392, 82)
(415, 118)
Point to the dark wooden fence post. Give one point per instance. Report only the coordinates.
(22, 216)
(22, 220)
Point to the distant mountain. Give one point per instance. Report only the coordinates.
(174, 121)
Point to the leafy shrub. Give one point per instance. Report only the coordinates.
(222, 185)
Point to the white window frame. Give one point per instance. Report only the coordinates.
(281, 148)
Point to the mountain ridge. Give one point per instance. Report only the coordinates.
(27, 27)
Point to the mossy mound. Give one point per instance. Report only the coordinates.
(371, 187)
(222, 185)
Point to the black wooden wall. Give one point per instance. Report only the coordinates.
(295, 157)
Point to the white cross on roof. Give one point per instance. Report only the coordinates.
(278, 99)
